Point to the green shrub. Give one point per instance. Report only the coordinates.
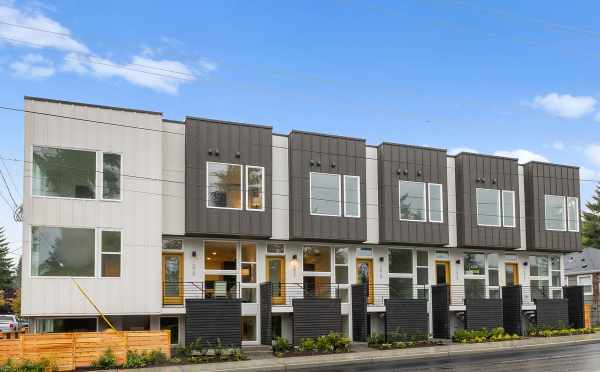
(156, 357)
(106, 360)
(557, 331)
(307, 344)
(135, 359)
(42, 365)
(219, 349)
(237, 354)
(376, 339)
(281, 345)
(483, 335)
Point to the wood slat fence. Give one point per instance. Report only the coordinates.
(73, 350)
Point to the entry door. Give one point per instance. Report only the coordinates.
(442, 272)
(276, 275)
(173, 278)
(364, 275)
(511, 270)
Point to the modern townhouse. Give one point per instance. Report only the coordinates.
(219, 229)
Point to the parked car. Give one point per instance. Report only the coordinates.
(8, 323)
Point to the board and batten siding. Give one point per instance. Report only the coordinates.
(233, 143)
(488, 172)
(416, 164)
(311, 152)
(548, 179)
(173, 175)
(138, 215)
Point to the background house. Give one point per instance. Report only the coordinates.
(583, 268)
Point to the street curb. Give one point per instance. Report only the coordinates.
(296, 363)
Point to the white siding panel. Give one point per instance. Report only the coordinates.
(451, 176)
(281, 189)
(173, 149)
(522, 221)
(372, 196)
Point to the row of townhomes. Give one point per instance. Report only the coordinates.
(211, 229)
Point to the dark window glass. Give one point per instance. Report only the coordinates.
(58, 251)
(111, 176)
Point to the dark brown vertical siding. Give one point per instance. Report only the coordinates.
(505, 173)
(393, 159)
(348, 155)
(254, 144)
(549, 179)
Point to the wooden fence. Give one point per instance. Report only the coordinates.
(73, 350)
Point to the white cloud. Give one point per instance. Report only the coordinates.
(523, 155)
(558, 145)
(565, 105)
(588, 174)
(21, 28)
(593, 153)
(597, 117)
(33, 66)
(458, 150)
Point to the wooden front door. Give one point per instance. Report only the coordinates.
(364, 275)
(442, 272)
(276, 275)
(511, 270)
(172, 278)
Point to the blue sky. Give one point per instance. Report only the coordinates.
(514, 78)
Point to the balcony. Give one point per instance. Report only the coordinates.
(378, 293)
(175, 293)
(530, 294)
(284, 293)
(460, 293)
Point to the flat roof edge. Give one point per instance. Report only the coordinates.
(50, 100)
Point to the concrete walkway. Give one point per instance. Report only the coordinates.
(291, 363)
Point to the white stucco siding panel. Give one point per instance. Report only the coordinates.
(372, 192)
(281, 189)
(173, 175)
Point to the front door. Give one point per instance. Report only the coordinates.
(442, 272)
(511, 270)
(173, 278)
(276, 275)
(364, 275)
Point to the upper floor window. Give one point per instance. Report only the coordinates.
(436, 205)
(64, 173)
(573, 213)
(495, 207)
(325, 194)
(255, 188)
(412, 201)
(223, 185)
(555, 213)
(352, 196)
(111, 176)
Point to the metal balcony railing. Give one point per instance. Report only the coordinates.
(284, 293)
(460, 293)
(175, 293)
(378, 293)
(532, 293)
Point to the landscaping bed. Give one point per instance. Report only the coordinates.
(558, 331)
(465, 336)
(401, 341)
(326, 344)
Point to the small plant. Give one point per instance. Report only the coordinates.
(376, 339)
(557, 331)
(236, 354)
(135, 359)
(156, 357)
(106, 360)
(42, 365)
(219, 349)
(307, 344)
(281, 345)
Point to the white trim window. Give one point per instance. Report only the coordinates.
(586, 282)
(111, 247)
(255, 188)
(436, 202)
(573, 213)
(63, 252)
(351, 196)
(325, 194)
(412, 201)
(223, 185)
(493, 262)
(342, 272)
(474, 275)
(111, 176)
(508, 209)
(488, 207)
(316, 267)
(555, 215)
(248, 272)
(555, 277)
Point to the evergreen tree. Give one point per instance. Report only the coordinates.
(6, 270)
(17, 276)
(590, 231)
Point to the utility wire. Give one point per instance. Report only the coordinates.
(10, 177)
(8, 189)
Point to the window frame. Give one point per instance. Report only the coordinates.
(591, 278)
(499, 209)
(241, 186)
(567, 214)
(342, 286)
(424, 201)
(263, 192)
(101, 253)
(429, 184)
(564, 205)
(514, 209)
(101, 185)
(339, 201)
(346, 200)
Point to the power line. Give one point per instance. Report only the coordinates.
(8, 189)
(36, 29)
(10, 177)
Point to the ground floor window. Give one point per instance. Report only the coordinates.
(248, 328)
(171, 324)
(67, 325)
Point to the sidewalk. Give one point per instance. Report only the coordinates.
(279, 364)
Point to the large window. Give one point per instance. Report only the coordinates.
(474, 269)
(59, 251)
(401, 288)
(555, 216)
(111, 253)
(412, 200)
(351, 196)
(325, 198)
(64, 173)
(545, 276)
(488, 207)
(220, 256)
(436, 204)
(255, 188)
(400, 261)
(573, 213)
(223, 185)
(508, 208)
(111, 176)
(317, 258)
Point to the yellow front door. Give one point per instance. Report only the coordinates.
(276, 275)
(172, 278)
(511, 271)
(442, 272)
(364, 275)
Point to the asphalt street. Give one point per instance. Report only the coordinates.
(560, 359)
